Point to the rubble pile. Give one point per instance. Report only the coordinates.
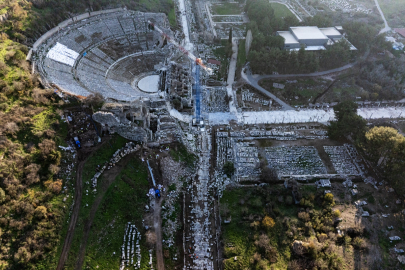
(224, 146)
(117, 156)
(246, 162)
(168, 129)
(346, 7)
(131, 247)
(248, 97)
(172, 173)
(295, 160)
(238, 30)
(200, 214)
(214, 99)
(344, 159)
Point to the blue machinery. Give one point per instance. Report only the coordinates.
(197, 98)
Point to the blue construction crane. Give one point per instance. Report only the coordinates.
(197, 97)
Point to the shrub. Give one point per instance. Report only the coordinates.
(336, 213)
(322, 237)
(328, 198)
(2, 195)
(54, 186)
(304, 216)
(177, 104)
(150, 239)
(268, 222)
(11, 128)
(313, 249)
(95, 100)
(289, 200)
(256, 202)
(347, 240)
(263, 243)
(19, 55)
(294, 265)
(229, 168)
(358, 243)
(306, 202)
(40, 212)
(255, 225)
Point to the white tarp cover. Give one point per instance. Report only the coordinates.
(62, 54)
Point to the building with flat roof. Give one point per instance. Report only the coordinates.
(312, 37)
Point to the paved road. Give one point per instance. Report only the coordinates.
(182, 7)
(386, 28)
(254, 82)
(231, 77)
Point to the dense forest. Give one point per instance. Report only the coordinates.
(31, 212)
(267, 56)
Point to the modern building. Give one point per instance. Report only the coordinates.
(312, 37)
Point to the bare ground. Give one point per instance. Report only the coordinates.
(157, 224)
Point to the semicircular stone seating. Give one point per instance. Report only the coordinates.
(107, 54)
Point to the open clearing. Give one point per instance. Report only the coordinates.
(226, 9)
(122, 203)
(394, 12)
(280, 10)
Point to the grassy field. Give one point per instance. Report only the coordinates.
(241, 54)
(394, 12)
(180, 154)
(299, 93)
(280, 10)
(221, 55)
(172, 15)
(226, 9)
(98, 158)
(106, 236)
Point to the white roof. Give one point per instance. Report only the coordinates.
(62, 54)
(289, 38)
(308, 32)
(330, 31)
(311, 48)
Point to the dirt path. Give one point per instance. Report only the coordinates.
(157, 223)
(108, 178)
(76, 208)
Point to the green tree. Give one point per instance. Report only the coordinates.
(328, 199)
(229, 168)
(230, 36)
(382, 143)
(268, 222)
(40, 212)
(347, 122)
